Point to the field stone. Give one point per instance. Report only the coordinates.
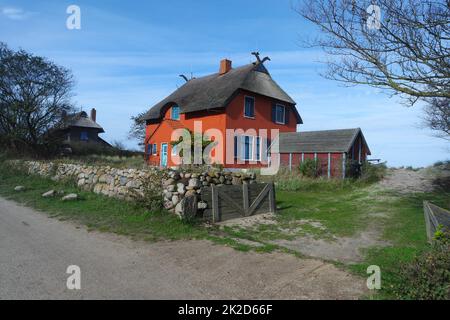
(48, 194)
(190, 193)
(187, 207)
(70, 197)
(194, 182)
(175, 199)
(180, 188)
(202, 205)
(19, 188)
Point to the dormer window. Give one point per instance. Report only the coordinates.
(280, 114)
(249, 107)
(175, 114)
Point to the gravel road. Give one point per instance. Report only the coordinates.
(36, 250)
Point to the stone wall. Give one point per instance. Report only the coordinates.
(176, 186)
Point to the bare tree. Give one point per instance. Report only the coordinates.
(34, 93)
(137, 129)
(437, 116)
(398, 45)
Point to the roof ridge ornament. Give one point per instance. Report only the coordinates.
(186, 78)
(259, 61)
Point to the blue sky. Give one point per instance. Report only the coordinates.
(128, 55)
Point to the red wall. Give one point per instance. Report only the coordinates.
(336, 162)
(336, 158)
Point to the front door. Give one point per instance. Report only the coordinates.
(164, 155)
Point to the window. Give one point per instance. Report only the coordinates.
(175, 112)
(84, 136)
(155, 149)
(258, 148)
(280, 114)
(174, 150)
(149, 149)
(249, 107)
(248, 148)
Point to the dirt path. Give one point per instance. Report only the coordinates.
(35, 252)
(405, 181)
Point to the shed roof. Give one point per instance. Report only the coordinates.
(340, 140)
(79, 119)
(216, 91)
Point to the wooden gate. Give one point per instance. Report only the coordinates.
(235, 201)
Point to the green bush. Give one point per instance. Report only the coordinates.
(371, 173)
(151, 198)
(428, 276)
(310, 168)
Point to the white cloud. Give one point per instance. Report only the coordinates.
(16, 13)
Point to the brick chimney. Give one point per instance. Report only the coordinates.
(93, 114)
(225, 66)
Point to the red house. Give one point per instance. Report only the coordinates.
(246, 98)
(234, 98)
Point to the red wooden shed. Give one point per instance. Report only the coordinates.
(332, 148)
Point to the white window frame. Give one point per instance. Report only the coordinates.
(251, 142)
(258, 138)
(171, 112)
(254, 107)
(155, 149)
(173, 151)
(276, 113)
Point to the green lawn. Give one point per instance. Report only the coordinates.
(320, 209)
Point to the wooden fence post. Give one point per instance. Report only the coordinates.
(245, 198)
(215, 204)
(272, 202)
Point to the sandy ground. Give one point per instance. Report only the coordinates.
(405, 181)
(35, 252)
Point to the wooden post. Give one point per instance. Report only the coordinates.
(315, 156)
(329, 165)
(290, 161)
(426, 212)
(245, 197)
(215, 204)
(359, 152)
(303, 157)
(272, 201)
(343, 165)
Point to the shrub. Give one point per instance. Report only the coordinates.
(151, 198)
(428, 276)
(310, 168)
(371, 173)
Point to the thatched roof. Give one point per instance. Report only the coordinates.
(79, 119)
(216, 91)
(319, 141)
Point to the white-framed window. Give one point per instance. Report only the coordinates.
(247, 148)
(249, 107)
(258, 147)
(250, 148)
(175, 113)
(280, 114)
(155, 149)
(174, 150)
